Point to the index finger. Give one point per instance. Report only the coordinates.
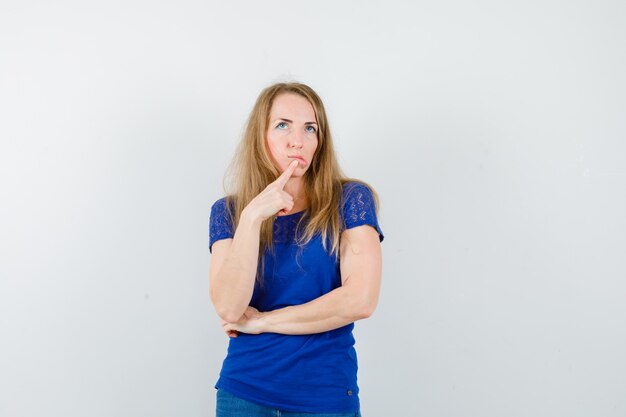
(284, 177)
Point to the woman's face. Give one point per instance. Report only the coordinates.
(292, 132)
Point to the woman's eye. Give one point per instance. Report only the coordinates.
(281, 123)
(312, 129)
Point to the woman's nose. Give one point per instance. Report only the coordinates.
(296, 139)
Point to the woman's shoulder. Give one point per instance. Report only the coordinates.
(220, 203)
(355, 187)
(358, 196)
(222, 209)
(360, 205)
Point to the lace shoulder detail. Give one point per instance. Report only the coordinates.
(358, 207)
(220, 223)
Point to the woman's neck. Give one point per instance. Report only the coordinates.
(296, 190)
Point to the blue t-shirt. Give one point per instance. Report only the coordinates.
(315, 373)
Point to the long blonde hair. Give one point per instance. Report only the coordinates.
(251, 170)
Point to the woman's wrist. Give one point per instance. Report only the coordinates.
(250, 217)
(263, 323)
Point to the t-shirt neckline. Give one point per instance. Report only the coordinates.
(291, 214)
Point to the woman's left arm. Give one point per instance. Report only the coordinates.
(360, 264)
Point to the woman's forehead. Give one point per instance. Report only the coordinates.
(293, 107)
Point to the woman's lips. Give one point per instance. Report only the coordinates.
(302, 161)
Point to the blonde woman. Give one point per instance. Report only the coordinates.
(295, 261)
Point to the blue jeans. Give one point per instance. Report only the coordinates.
(230, 406)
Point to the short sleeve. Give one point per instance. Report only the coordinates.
(220, 224)
(359, 207)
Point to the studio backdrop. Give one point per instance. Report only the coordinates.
(493, 132)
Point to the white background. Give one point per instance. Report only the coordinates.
(493, 131)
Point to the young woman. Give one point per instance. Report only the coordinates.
(295, 261)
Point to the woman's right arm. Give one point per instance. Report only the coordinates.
(233, 269)
(233, 266)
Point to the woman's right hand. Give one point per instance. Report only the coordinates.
(274, 199)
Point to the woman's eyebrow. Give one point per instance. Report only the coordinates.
(291, 121)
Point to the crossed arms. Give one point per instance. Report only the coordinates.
(360, 264)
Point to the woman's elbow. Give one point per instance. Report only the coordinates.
(226, 311)
(229, 315)
(366, 310)
(363, 303)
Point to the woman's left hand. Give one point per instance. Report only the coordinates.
(250, 323)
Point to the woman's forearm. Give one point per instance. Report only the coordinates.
(332, 310)
(233, 284)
